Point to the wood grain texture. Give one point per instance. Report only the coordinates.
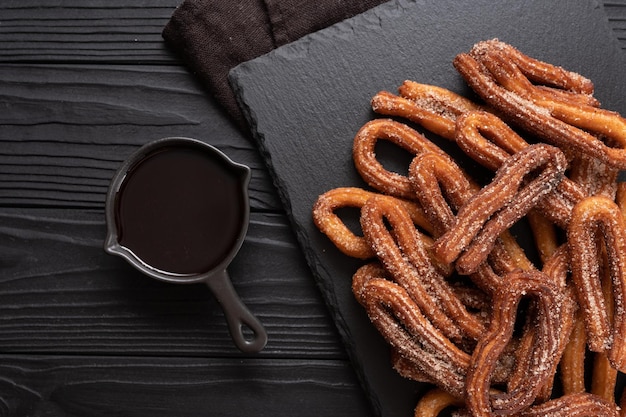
(60, 293)
(85, 31)
(66, 129)
(104, 387)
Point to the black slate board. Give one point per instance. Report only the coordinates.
(305, 102)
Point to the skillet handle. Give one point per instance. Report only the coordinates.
(237, 314)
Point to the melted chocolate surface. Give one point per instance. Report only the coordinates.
(180, 210)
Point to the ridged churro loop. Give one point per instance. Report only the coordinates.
(532, 79)
(578, 110)
(518, 186)
(528, 342)
(329, 223)
(441, 187)
(371, 170)
(594, 220)
(440, 100)
(540, 72)
(403, 325)
(561, 122)
(485, 138)
(364, 274)
(434, 108)
(406, 260)
(389, 104)
(488, 140)
(546, 322)
(444, 188)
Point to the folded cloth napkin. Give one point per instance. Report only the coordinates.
(213, 36)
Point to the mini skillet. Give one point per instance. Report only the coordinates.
(178, 211)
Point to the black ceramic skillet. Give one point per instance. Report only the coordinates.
(178, 211)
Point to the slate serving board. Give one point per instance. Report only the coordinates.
(306, 100)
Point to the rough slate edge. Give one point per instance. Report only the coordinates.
(346, 63)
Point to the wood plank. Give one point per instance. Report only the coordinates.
(101, 31)
(85, 31)
(61, 293)
(108, 386)
(67, 128)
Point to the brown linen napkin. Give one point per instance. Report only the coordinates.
(213, 36)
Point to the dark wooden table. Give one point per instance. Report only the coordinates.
(82, 85)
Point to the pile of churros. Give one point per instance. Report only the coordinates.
(444, 279)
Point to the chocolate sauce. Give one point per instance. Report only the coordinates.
(180, 210)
